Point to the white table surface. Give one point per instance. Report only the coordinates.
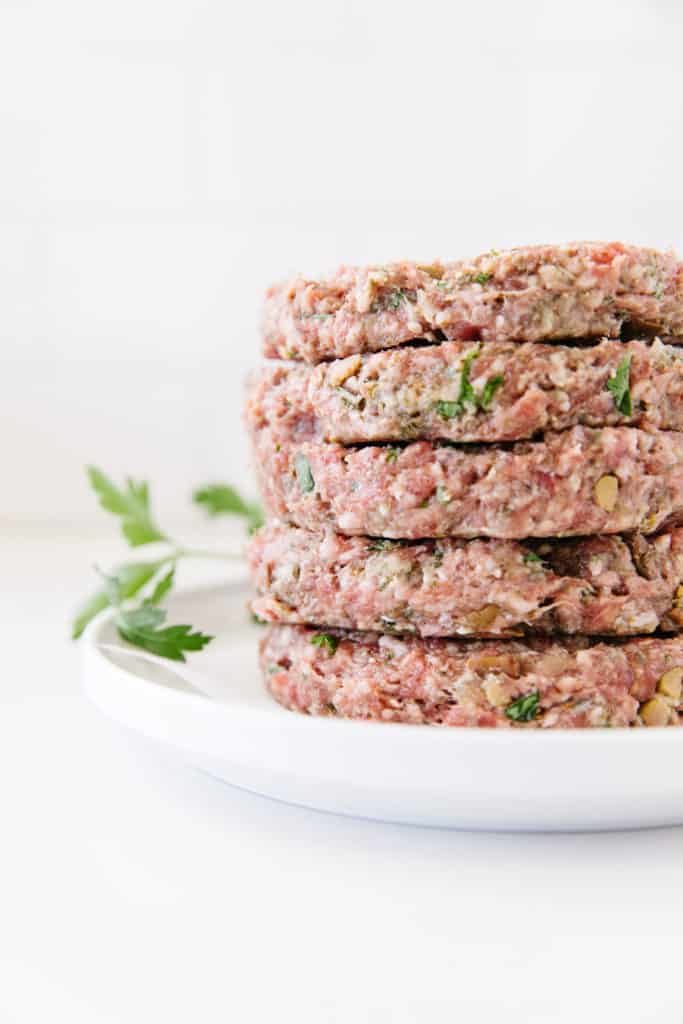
(136, 890)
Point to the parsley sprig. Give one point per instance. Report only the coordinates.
(135, 590)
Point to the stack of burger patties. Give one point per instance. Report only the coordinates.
(474, 477)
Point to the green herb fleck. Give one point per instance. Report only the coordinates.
(490, 388)
(531, 558)
(326, 641)
(524, 709)
(391, 455)
(304, 474)
(482, 278)
(395, 299)
(466, 390)
(380, 544)
(619, 387)
(448, 410)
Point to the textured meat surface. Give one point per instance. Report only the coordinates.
(592, 586)
(517, 390)
(538, 293)
(530, 684)
(580, 481)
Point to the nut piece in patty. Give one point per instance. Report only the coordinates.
(606, 491)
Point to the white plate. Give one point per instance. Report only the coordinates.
(224, 722)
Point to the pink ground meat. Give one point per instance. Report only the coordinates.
(517, 390)
(592, 586)
(537, 293)
(531, 684)
(578, 482)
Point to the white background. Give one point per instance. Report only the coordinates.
(162, 161)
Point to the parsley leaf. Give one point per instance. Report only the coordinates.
(303, 474)
(130, 579)
(482, 278)
(530, 557)
(130, 503)
(619, 386)
(325, 641)
(223, 500)
(141, 628)
(524, 709)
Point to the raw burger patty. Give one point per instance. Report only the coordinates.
(596, 585)
(535, 683)
(514, 392)
(581, 481)
(537, 293)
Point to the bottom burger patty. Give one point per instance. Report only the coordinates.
(590, 585)
(538, 683)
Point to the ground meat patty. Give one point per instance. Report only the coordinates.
(535, 683)
(538, 293)
(592, 586)
(581, 481)
(499, 391)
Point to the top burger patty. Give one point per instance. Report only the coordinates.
(535, 293)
